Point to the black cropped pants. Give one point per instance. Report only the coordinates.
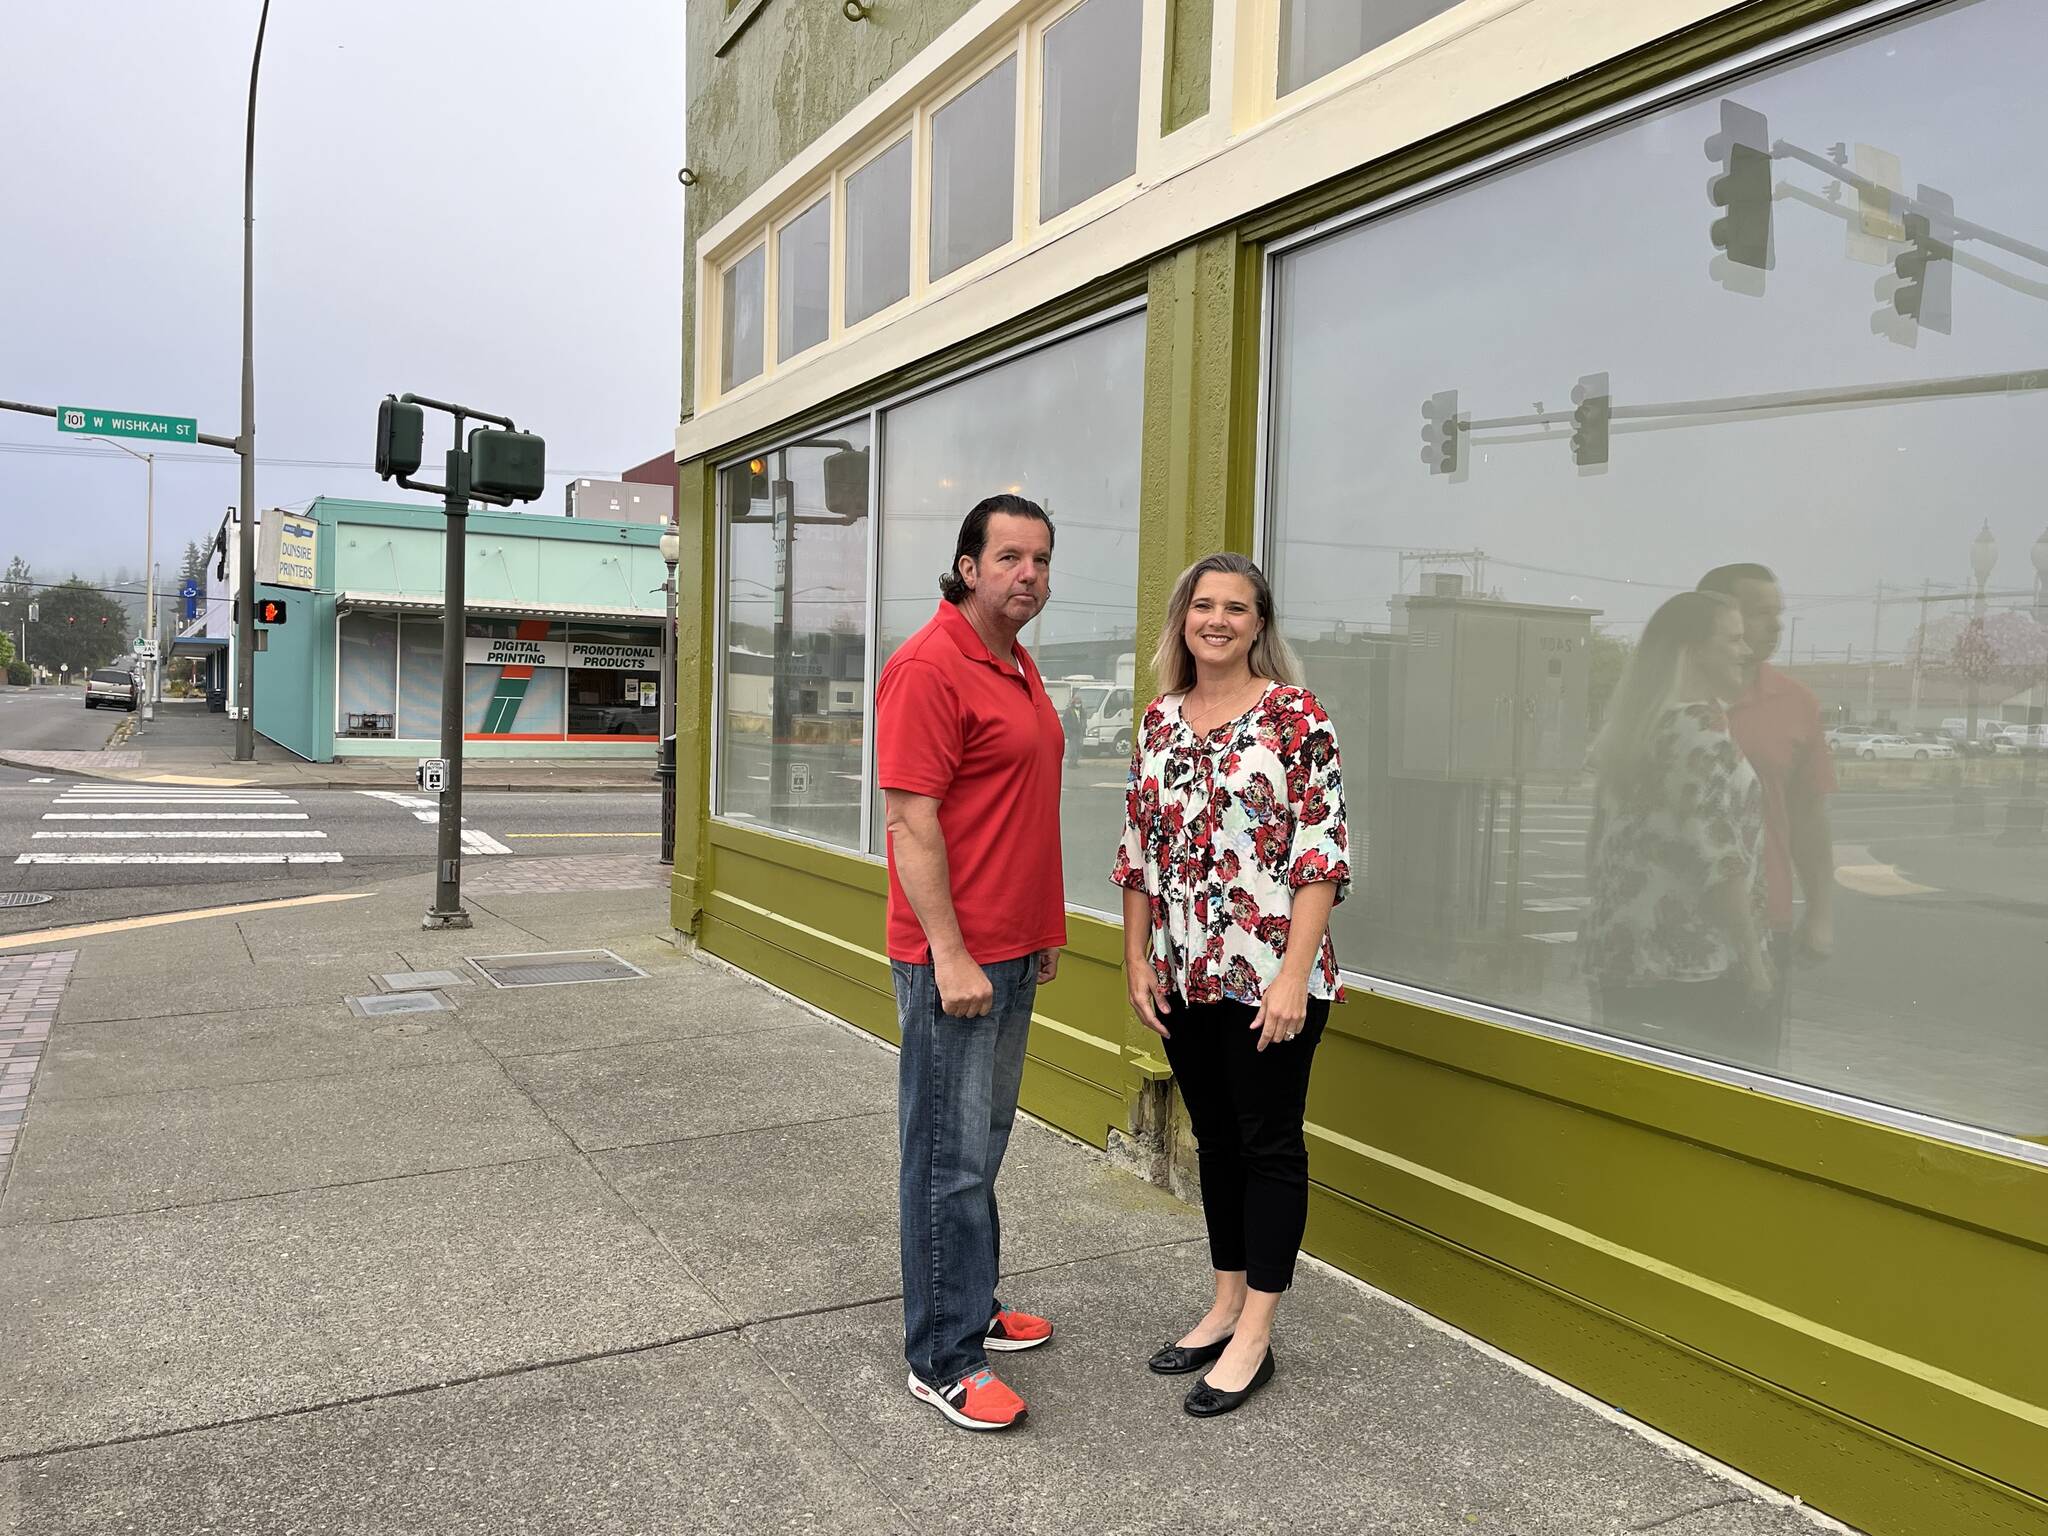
(1246, 1106)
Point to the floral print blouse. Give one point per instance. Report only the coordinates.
(1691, 820)
(1221, 829)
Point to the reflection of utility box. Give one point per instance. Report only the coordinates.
(1491, 692)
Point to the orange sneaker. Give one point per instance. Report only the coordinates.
(976, 1401)
(1011, 1330)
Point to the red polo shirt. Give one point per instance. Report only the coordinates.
(1777, 725)
(983, 740)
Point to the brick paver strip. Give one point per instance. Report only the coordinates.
(30, 986)
(589, 872)
(74, 762)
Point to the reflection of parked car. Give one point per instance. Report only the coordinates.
(1872, 748)
(110, 685)
(1848, 743)
(613, 720)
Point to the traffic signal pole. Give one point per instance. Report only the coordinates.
(448, 911)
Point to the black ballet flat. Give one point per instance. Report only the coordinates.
(1179, 1359)
(1206, 1402)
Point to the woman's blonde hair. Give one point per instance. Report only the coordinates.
(1649, 684)
(1173, 668)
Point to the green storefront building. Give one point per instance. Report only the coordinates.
(1430, 307)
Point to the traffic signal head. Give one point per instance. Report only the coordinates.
(1592, 412)
(508, 464)
(1441, 449)
(401, 430)
(846, 483)
(270, 610)
(1742, 235)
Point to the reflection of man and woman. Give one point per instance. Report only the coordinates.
(1674, 943)
(1233, 856)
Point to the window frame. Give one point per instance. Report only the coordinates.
(1013, 49)
(776, 229)
(1034, 171)
(878, 447)
(1695, 83)
(762, 243)
(900, 131)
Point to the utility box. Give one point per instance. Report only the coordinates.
(620, 501)
(1492, 692)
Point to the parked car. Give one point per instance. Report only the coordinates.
(111, 685)
(1848, 743)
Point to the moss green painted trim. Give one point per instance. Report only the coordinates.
(1667, 59)
(1190, 25)
(696, 567)
(1859, 1474)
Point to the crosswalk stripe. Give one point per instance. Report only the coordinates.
(474, 841)
(174, 816)
(179, 858)
(209, 832)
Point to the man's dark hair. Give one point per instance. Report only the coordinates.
(974, 538)
(1725, 578)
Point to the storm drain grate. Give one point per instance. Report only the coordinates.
(554, 970)
(22, 898)
(397, 1002)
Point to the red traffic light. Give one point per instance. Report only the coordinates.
(270, 611)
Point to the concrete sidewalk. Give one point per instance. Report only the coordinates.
(621, 1258)
(186, 744)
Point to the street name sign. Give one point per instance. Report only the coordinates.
(159, 429)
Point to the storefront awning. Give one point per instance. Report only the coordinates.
(403, 602)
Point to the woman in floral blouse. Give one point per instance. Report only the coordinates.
(1233, 854)
(1673, 943)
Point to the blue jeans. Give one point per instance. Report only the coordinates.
(957, 1082)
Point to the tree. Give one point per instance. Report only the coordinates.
(79, 627)
(194, 566)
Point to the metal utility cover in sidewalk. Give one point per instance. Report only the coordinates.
(559, 968)
(421, 981)
(397, 1002)
(22, 898)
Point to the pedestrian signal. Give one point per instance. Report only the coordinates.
(270, 611)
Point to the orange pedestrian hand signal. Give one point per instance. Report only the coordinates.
(270, 611)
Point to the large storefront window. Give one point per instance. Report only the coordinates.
(793, 739)
(1061, 426)
(367, 695)
(1623, 389)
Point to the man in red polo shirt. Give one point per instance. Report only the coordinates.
(1777, 725)
(968, 751)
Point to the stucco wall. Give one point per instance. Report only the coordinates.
(790, 69)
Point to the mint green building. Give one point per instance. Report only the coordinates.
(563, 634)
(1487, 326)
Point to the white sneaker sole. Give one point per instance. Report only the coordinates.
(925, 1394)
(1011, 1346)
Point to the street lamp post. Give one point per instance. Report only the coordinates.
(149, 571)
(665, 765)
(245, 444)
(1983, 556)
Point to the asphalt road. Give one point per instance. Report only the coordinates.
(54, 720)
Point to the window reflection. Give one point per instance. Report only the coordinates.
(745, 282)
(974, 158)
(1090, 136)
(878, 233)
(1061, 426)
(1625, 392)
(792, 747)
(1318, 35)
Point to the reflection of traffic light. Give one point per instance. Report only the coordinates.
(1925, 268)
(1743, 234)
(1441, 449)
(1592, 410)
(270, 611)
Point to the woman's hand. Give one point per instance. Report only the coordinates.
(1283, 1010)
(1148, 997)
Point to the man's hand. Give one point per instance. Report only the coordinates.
(965, 991)
(1817, 935)
(1048, 965)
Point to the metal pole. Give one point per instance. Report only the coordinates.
(447, 910)
(1870, 676)
(149, 602)
(245, 444)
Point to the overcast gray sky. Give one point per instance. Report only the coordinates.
(472, 199)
